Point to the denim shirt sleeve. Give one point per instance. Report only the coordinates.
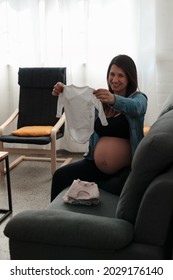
(134, 106)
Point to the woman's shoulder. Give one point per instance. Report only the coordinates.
(138, 94)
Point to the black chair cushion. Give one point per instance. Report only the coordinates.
(41, 77)
(37, 106)
(43, 140)
(40, 112)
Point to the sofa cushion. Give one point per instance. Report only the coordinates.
(152, 157)
(102, 209)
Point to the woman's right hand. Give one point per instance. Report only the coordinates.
(58, 88)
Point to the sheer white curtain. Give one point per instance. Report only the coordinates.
(84, 35)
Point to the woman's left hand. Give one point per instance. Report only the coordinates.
(104, 96)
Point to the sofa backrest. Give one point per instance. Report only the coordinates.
(153, 155)
(167, 106)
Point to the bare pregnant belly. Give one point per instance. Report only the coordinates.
(112, 153)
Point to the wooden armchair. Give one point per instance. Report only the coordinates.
(35, 115)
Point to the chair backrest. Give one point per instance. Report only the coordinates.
(37, 106)
(152, 158)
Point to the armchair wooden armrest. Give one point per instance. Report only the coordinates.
(9, 121)
(58, 125)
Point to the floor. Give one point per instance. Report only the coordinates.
(31, 184)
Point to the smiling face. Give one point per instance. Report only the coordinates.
(117, 80)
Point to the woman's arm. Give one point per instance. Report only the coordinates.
(135, 105)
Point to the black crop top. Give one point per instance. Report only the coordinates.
(117, 127)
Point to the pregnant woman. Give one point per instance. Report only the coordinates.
(111, 147)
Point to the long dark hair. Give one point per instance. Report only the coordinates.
(127, 64)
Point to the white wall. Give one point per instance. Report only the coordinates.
(54, 37)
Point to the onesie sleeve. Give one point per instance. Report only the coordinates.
(98, 105)
(60, 105)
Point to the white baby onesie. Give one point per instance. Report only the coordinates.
(82, 192)
(79, 104)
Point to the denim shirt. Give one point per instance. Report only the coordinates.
(134, 108)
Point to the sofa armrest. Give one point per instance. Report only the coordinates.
(56, 227)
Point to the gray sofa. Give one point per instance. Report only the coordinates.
(137, 224)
